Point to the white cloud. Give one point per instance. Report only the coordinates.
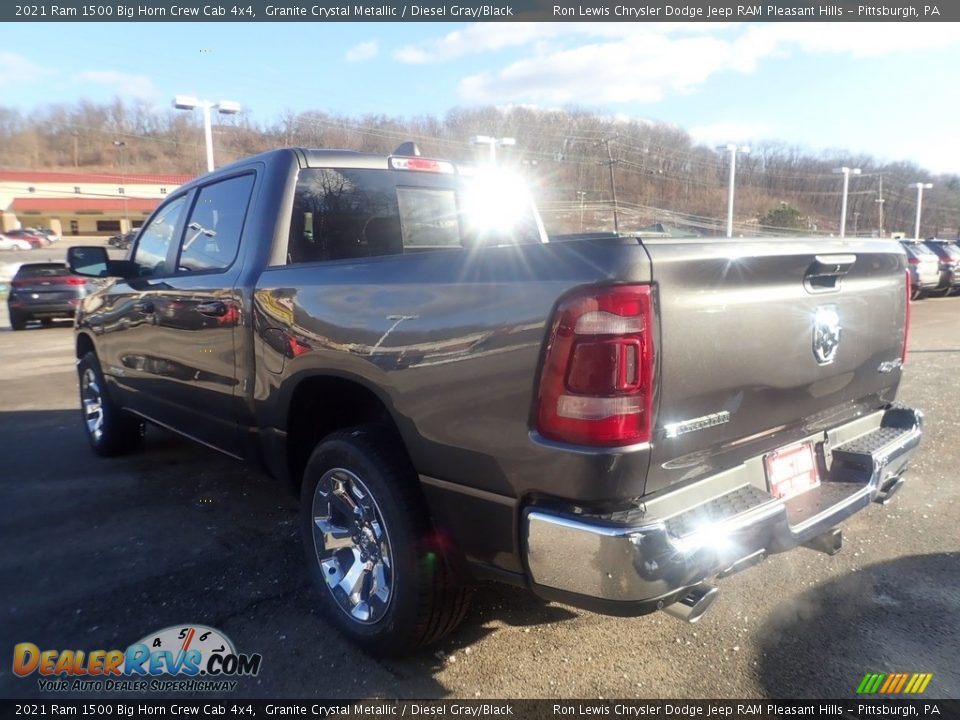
(644, 62)
(16, 68)
(126, 85)
(363, 51)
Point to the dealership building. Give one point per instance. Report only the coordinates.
(73, 203)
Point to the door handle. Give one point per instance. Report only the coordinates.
(143, 306)
(212, 309)
(827, 271)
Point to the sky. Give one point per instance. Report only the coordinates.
(887, 89)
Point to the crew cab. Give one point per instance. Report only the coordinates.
(609, 421)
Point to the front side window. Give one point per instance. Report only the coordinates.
(151, 253)
(212, 237)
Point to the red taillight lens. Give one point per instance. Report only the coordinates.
(596, 386)
(906, 322)
(913, 260)
(76, 281)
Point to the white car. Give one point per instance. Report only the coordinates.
(9, 243)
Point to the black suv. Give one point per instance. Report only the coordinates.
(44, 292)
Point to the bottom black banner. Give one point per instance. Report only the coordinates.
(645, 709)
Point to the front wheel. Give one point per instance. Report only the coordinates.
(110, 430)
(385, 579)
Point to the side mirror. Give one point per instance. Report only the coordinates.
(88, 261)
(92, 261)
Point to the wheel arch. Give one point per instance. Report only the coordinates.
(320, 404)
(84, 345)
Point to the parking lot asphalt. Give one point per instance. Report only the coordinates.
(98, 553)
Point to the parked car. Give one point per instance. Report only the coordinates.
(949, 257)
(45, 232)
(44, 292)
(36, 241)
(924, 266)
(124, 241)
(9, 243)
(608, 422)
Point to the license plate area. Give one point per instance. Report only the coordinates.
(792, 470)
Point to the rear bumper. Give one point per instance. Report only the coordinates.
(62, 309)
(631, 567)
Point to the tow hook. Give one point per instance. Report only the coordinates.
(830, 542)
(694, 602)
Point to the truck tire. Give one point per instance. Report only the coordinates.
(110, 430)
(384, 579)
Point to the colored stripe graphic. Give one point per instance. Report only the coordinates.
(894, 683)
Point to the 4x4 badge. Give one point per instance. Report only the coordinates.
(826, 333)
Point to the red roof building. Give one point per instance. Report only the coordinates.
(72, 203)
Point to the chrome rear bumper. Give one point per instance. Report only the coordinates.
(635, 567)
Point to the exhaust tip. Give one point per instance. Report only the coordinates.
(693, 603)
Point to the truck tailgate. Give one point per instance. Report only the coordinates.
(741, 326)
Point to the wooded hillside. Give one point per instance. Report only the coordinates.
(661, 174)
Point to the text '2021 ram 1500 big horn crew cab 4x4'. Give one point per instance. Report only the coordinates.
(608, 421)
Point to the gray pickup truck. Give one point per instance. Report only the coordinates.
(608, 421)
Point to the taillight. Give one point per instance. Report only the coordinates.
(76, 281)
(913, 260)
(906, 323)
(596, 386)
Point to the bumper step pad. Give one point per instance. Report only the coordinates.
(717, 510)
(857, 460)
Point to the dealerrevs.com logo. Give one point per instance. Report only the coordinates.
(181, 658)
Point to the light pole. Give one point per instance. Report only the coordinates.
(846, 172)
(493, 143)
(120, 145)
(733, 149)
(920, 188)
(582, 195)
(224, 107)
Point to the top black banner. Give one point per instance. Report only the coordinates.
(471, 11)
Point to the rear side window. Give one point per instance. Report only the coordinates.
(38, 270)
(212, 235)
(356, 213)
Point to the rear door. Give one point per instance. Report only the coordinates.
(765, 342)
(190, 373)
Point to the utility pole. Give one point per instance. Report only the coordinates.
(613, 182)
(920, 186)
(880, 201)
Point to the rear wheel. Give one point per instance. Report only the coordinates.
(47, 322)
(384, 578)
(110, 430)
(17, 321)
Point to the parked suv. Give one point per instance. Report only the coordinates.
(949, 256)
(924, 266)
(44, 292)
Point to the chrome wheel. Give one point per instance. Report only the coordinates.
(352, 546)
(92, 400)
